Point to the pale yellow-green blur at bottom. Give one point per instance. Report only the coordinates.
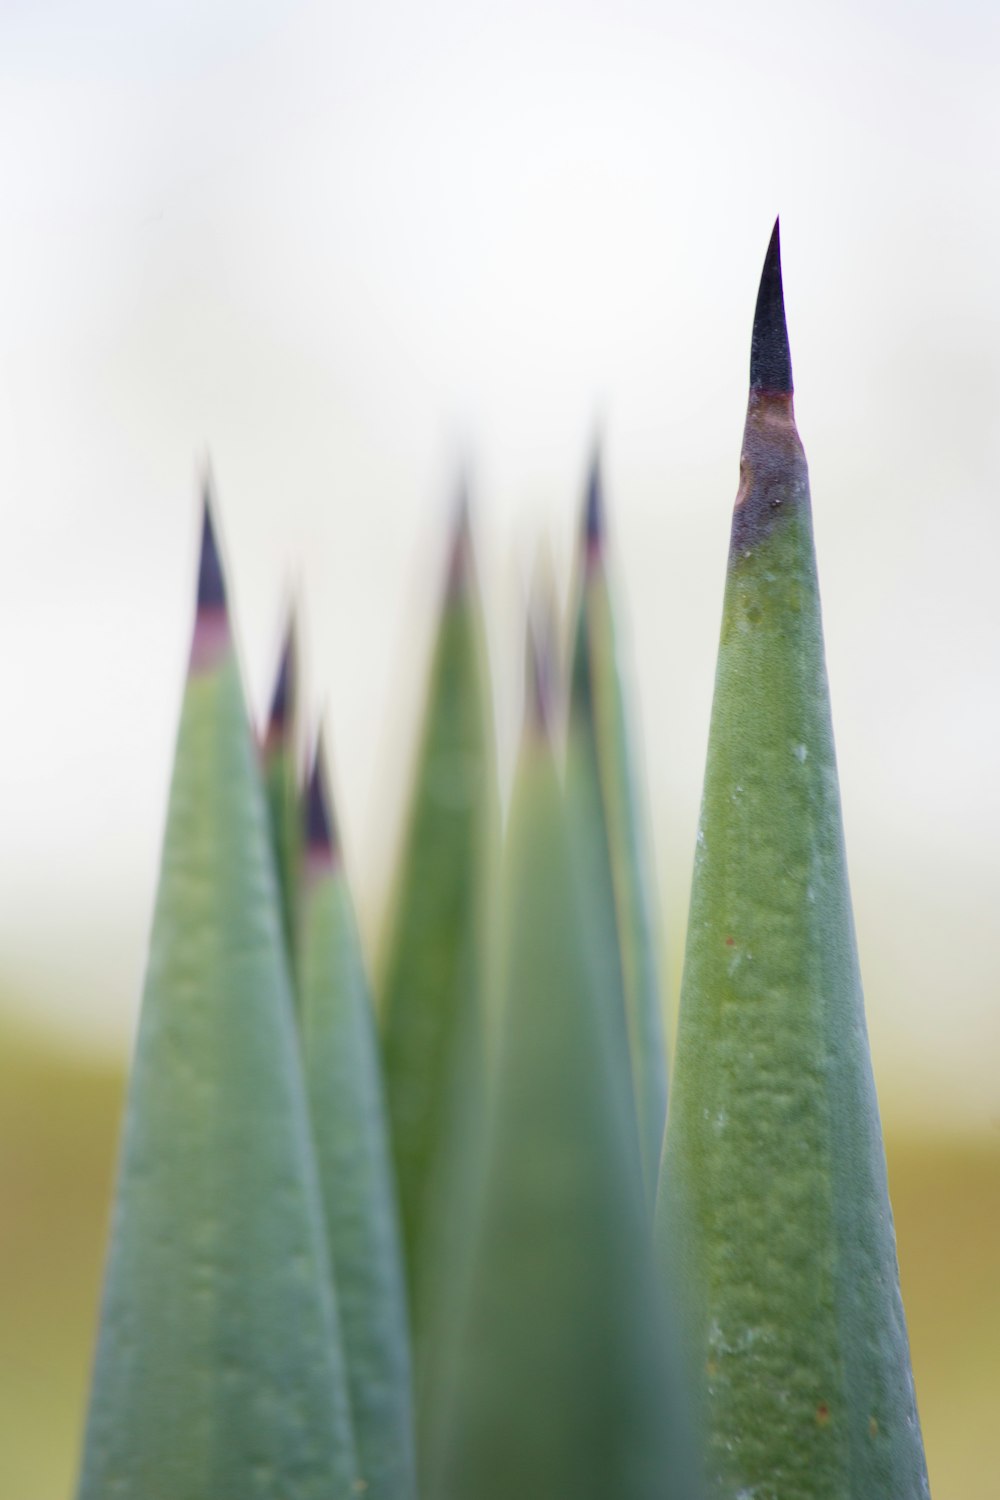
(59, 1118)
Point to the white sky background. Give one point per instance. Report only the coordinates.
(344, 248)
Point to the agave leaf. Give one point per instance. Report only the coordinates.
(774, 1191)
(281, 781)
(603, 783)
(432, 992)
(560, 1383)
(340, 1052)
(218, 1369)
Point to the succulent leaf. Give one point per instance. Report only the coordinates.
(432, 992)
(218, 1368)
(560, 1382)
(341, 1059)
(604, 784)
(773, 1196)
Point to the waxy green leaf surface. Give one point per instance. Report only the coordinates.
(775, 1212)
(219, 1370)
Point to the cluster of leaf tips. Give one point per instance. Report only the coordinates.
(442, 1253)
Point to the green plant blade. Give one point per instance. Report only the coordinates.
(218, 1369)
(560, 1385)
(281, 782)
(601, 771)
(433, 972)
(774, 1192)
(340, 1053)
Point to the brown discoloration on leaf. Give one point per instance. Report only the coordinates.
(773, 474)
(773, 471)
(212, 641)
(318, 865)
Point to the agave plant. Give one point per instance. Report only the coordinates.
(413, 1254)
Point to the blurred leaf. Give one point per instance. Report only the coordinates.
(340, 1052)
(560, 1385)
(281, 782)
(603, 787)
(432, 994)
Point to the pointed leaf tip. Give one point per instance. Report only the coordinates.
(211, 588)
(460, 556)
(770, 357)
(211, 640)
(321, 835)
(279, 718)
(593, 515)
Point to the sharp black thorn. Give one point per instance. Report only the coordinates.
(770, 357)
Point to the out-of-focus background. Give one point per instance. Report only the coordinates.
(350, 249)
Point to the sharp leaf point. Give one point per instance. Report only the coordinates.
(770, 356)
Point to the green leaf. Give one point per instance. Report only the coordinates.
(340, 1052)
(774, 1193)
(560, 1385)
(603, 783)
(218, 1369)
(432, 993)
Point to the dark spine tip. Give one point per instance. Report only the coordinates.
(460, 553)
(283, 697)
(321, 835)
(593, 513)
(211, 589)
(770, 357)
